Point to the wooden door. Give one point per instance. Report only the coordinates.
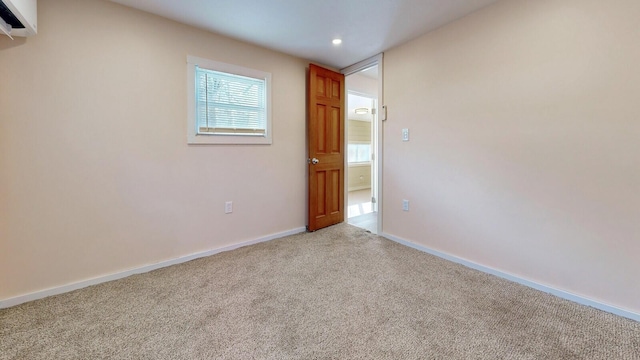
(326, 147)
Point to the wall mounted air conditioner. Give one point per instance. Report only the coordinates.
(18, 17)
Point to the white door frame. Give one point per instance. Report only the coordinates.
(377, 125)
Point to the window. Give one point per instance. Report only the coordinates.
(359, 153)
(228, 104)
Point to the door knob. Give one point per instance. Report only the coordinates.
(314, 161)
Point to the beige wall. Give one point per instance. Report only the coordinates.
(95, 173)
(524, 152)
(359, 177)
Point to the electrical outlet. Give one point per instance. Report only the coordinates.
(405, 205)
(228, 207)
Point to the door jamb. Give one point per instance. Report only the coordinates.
(364, 64)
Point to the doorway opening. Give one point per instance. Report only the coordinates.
(362, 180)
(361, 201)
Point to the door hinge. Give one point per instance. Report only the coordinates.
(373, 111)
(373, 200)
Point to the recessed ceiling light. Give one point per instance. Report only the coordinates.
(361, 111)
(337, 41)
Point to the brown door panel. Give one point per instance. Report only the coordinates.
(326, 147)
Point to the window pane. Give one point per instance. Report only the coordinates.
(230, 104)
(358, 153)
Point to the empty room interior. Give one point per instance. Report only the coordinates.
(505, 142)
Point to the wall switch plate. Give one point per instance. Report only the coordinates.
(228, 207)
(405, 134)
(405, 205)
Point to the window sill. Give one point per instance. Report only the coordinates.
(204, 139)
(359, 164)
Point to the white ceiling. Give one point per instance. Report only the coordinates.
(356, 101)
(305, 28)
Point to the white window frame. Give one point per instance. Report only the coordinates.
(193, 137)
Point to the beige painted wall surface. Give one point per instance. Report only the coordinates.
(524, 152)
(359, 177)
(95, 173)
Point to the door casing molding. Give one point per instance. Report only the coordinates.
(349, 70)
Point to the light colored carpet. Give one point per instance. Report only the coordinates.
(338, 293)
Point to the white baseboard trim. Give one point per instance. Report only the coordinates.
(139, 270)
(559, 293)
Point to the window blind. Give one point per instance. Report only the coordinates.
(358, 153)
(230, 104)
